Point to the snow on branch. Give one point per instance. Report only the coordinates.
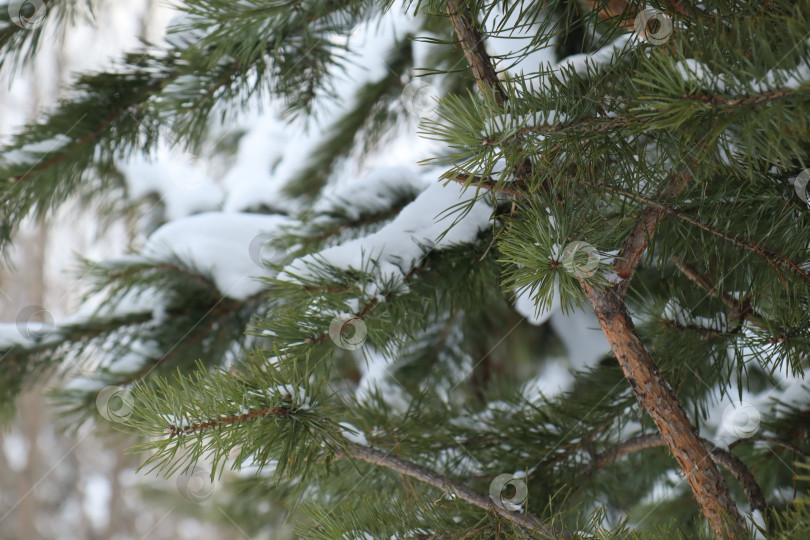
(220, 243)
(400, 245)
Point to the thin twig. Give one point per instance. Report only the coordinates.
(462, 491)
(729, 461)
(429, 536)
(635, 244)
(771, 440)
(772, 257)
(706, 331)
(739, 309)
(227, 420)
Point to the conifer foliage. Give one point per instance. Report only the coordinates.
(371, 351)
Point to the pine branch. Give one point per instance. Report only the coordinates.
(640, 370)
(472, 42)
(663, 405)
(771, 256)
(652, 390)
(631, 446)
(729, 461)
(358, 223)
(205, 281)
(223, 421)
(371, 304)
(771, 440)
(739, 309)
(20, 43)
(448, 485)
(742, 474)
(611, 124)
(635, 244)
(474, 50)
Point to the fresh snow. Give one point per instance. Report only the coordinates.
(353, 434)
(178, 179)
(580, 63)
(776, 78)
(253, 179)
(10, 336)
(584, 343)
(297, 393)
(85, 384)
(582, 337)
(375, 192)
(33, 152)
(15, 449)
(219, 243)
(505, 125)
(401, 245)
(544, 59)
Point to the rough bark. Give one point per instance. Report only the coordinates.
(652, 391)
(474, 50)
(665, 408)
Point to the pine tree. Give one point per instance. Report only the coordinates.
(375, 374)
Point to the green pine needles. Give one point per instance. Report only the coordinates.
(412, 353)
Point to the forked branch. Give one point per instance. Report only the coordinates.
(649, 386)
(729, 461)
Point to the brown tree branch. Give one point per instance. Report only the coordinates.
(474, 50)
(771, 440)
(772, 257)
(650, 388)
(739, 309)
(663, 405)
(616, 323)
(742, 474)
(462, 491)
(635, 244)
(630, 446)
(729, 461)
(652, 391)
(529, 522)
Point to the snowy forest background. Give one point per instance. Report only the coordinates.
(216, 208)
(81, 485)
